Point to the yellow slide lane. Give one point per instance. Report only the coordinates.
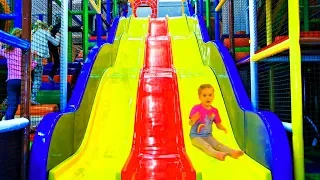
(191, 73)
(108, 139)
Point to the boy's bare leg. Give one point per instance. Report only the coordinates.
(206, 147)
(221, 147)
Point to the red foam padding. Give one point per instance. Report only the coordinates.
(241, 32)
(94, 38)
(305, 36)
(56, 78)
(238, 42)
(241, 55)
(40, 110)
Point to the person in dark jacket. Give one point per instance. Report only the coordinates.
(54, 50)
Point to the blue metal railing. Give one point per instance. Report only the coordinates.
(14, 41)
(16, 15)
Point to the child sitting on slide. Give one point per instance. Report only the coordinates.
(202, 117)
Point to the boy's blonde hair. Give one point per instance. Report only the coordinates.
(16, 32)
(204, 86)
(39, 25)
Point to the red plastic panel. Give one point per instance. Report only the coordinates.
(158, 147)
(157, 50)
(153, 4)
(158, 27)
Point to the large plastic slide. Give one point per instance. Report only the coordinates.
(138, 126)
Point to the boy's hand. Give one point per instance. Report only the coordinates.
(222, 128)
(195, 117)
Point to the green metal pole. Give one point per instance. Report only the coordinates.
(93, 12)
(70, 39)
(69, 33)
(85, 21)
(58, 2)
(208, 14)
(306, 15)
(115, 8)
(271, 89)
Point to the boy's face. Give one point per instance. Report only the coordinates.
(206, 96)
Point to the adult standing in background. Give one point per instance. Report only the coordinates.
(54, 50)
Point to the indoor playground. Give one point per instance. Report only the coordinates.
(102, 89)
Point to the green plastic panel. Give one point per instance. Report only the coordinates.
(48, 97)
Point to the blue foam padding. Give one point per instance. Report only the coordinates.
(12, 125)
(3, 61)
(71, 71)
(50, 86)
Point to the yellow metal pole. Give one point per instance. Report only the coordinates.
(95, 7)
(296, 89)
(269, 21)
(131, 5)
(284, 45)
(99, 6)
(182, 7)
(219, 6)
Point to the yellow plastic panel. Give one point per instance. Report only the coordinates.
(108, 138)
(138, 27)
(178, 26)
(191, 73)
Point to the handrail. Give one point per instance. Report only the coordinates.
(219, 6)
(58, 2)
(96, 7)
(14, 41)
(14, 124)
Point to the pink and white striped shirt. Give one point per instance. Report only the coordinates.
(14, 62)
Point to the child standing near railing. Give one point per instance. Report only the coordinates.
(14, 57)
(40, 51)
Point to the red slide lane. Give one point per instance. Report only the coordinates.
(158, 151)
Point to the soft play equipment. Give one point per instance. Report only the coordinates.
(138, 95)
